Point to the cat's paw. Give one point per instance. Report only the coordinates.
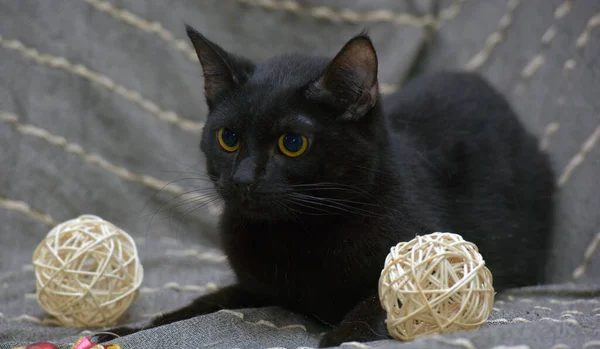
(114, 333)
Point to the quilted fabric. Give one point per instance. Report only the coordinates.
(101, 106)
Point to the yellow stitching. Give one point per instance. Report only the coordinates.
(583, 39)
(387, 89)
(522, 320)
(570, 64)
(30, 318)
(203, 256)
(241, 316)
(183, 288)
(594, 343)
(23, 207)
(169, 240)
(552, 301)
(157, 28)
(556, 301)
(587, 256)
(144, 25)
(550, 129)
(104, 81)
(493, 39)
(579, 157)
(352, 16)
(533, 66)
(539, 59)
(462, 342)
(168, 286)
(95, 159)
(507, 321)
(572, 312)
(355, 344)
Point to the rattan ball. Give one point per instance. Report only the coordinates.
(87, 272)
(435, 284)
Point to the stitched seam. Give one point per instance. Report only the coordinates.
(241, 316)
(31, 318)
(571, 63)
(104, 81)
(174, 286)
(96, 159)
(24, 208)
(577, 160)
(202, 256)
(539, 59)
(523, 320)
(587, 256)
(142, 24)
(159, 30)
(549, 130)
(462, 342)
(351, 16)
(494, 39)
(355, 345)
(387, 89)
(551, 301)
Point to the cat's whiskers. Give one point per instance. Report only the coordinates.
(329, 203)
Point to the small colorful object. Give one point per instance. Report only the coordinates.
(81, 343)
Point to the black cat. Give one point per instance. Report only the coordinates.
(320, 177)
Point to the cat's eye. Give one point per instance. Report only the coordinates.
(292, 144)
(228, 139)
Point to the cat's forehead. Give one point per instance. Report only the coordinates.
(268, 94)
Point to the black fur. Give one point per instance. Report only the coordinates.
(445, 153)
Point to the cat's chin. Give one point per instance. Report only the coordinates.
(256, 212)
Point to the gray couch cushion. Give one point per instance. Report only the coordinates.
(101, 105)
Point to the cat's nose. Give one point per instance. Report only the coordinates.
(244, 176)
(243, 182)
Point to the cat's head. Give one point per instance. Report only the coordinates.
(293, 132)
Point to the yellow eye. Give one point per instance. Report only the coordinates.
(292, 144)
(228, 139)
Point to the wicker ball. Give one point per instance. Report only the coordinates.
(87, 272)
(435, 284)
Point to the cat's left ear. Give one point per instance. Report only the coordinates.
(349, 83)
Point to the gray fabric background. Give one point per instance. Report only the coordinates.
(111, 76)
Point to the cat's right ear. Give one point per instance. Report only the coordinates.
(223, 71)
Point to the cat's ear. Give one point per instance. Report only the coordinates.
(222, 70)
(349, 82)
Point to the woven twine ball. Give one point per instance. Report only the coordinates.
(435, 284)
(87, 272)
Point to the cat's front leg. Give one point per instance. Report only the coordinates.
(364, 323)
(230, 297)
